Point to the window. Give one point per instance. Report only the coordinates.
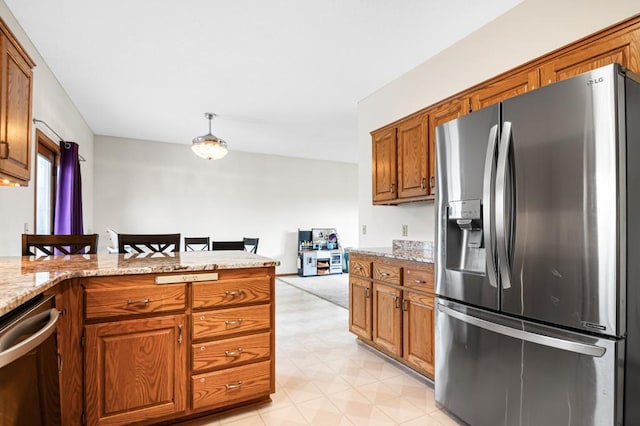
(46, 183)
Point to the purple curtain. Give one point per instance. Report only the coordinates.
(68, 213)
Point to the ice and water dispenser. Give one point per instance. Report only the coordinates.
(465, 239)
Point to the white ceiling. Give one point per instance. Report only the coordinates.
(284, 76)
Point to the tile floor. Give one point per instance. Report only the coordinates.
(324, 377)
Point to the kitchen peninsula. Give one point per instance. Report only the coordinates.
(391, 301)
(154, 337)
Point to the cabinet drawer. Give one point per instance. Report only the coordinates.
(230, 321)
(231, 385)
(419, 279)
(110, 302)
(231, 292)
(360, 267)
(387, 273)
(229, 352)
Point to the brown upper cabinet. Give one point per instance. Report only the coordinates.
(401, 161)
(413, 152)
(385, 180)
(16, 84)
(503, 88)
(620, 47)
(404, 151)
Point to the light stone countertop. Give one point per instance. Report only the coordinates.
(24, 277)
(417, 251)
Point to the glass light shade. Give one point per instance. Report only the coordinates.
(209, 147)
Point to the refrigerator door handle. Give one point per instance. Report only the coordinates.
(501, 209)
(553, 342)
(487, 206)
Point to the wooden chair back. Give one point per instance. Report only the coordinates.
(156, 243)
(49, 245)
(251, 244)
(196, 243)
(227, 245)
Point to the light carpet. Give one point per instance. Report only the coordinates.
(333, 288)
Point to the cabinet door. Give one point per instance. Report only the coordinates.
(505, 88)
(15, 110)
(387, 318)
(418, 331)
(616, 48)
(135, 370)
(413, 157)
(360, 307)
(439, 115)
(384, 165)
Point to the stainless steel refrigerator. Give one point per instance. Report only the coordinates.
(538, 256)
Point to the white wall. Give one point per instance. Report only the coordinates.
(526, 32)
(52, 105)
(152, 187)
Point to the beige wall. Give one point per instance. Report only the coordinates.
(527, 31)
(152, 187)
(52, 105)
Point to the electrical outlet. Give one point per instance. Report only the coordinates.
(405, 230)
(26, 227)
(364, 229)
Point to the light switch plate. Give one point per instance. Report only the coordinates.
(405, 230)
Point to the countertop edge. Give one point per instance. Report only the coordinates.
(388, 253)
(13, 298)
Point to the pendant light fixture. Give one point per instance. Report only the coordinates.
(209, 146)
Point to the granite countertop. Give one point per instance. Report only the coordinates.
(417, 251)
(24, 277)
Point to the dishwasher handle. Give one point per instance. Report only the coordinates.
(11, 348)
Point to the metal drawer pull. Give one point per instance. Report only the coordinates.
(395, 302)
(419, 282)
(137, 302)
(404, 305)
(234, 293)
(230, 386)
(234, 322)
(384, 274)
(237, 352)
(180, 334)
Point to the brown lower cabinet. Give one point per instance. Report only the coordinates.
(391, 308)
(163, 347)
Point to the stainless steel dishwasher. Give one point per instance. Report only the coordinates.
(29, 365)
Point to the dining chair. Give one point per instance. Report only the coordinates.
(36, 244)
(251, 244)
(196, 243)
(156, 243)
(227, 245)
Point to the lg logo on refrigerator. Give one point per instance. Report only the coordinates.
(595, 81)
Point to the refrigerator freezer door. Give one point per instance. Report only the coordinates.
(568, 195)
(463, 154)
(494, 370)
